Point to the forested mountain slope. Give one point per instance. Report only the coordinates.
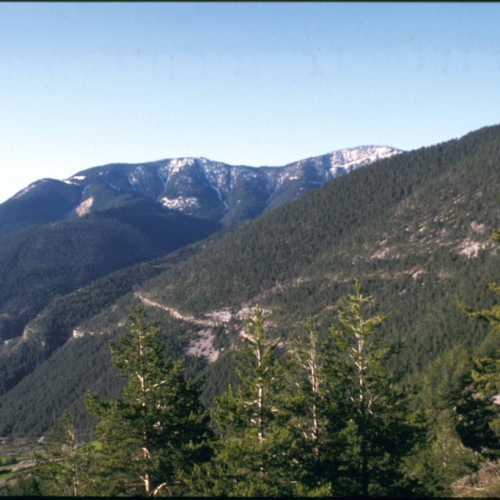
(57, 236)
(39, 263)
(414, 229)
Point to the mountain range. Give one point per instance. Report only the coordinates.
(195, 187)
(56, 236)
(413, 227)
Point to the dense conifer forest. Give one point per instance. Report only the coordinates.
(356, 338)
(324, 415)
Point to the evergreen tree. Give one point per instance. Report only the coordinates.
(478, 408)
(260, 375)
(305, 403)
(306, 372)
(158, 429)
(253, 453)
(24, 486)
(61, 467)
(369, 415)
(443, 458)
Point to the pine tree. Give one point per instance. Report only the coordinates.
(305, 370)
(253, 453)
(61, 467)
(158, 429)
(305, 402)
(369, 416)
(478, 409)
(444, 459)
(260, 375)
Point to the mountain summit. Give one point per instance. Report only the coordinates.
(196, 187)
(230, 194)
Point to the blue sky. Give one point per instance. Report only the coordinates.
(85, 84)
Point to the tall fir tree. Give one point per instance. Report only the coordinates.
(158, 429)
(306, 376)
(306, 404)
(369, 415)
(253, 452)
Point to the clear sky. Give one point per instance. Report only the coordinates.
(85, 84)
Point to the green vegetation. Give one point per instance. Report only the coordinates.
(16, 478)
(254, 442)
(291, 410)
(44, 268)
(62, 467)
(412, 228)
(367, 407)
(157, 429)
(307, 418)
(40, 266)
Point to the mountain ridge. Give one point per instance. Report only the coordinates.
(197, 187)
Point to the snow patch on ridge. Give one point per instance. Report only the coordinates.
(177, 164)
(28, 189)
(348, 159)
(74, 180)
(179, 203)
(216, 187)
(133, 181)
